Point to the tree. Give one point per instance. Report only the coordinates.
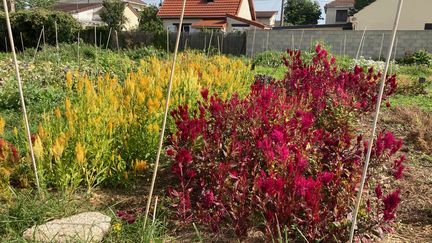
(149, 20)
(359, 5)
(24, 4)
(301, 12)
(113, 14)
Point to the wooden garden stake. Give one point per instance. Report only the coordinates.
(363, 43)
(108, 39)
(374, 124)
(381, 47)
(161, 138)
(22, 41)
(56, 40)
(360, 44)
(23, 106)
(37, 46)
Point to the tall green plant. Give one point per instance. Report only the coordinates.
(113, 14)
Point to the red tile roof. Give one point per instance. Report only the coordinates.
(215, 23)
(202, 8)
(247, 21)
(340, 3)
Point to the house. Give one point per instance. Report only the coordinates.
(337, 11)
(136, 4)
(266, 17)
(88, 12)
(380, 15)
(220, 15)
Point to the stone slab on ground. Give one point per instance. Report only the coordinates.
(83, 227)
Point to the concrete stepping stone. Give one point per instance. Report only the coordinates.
(83, 227)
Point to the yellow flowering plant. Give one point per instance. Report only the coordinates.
(107, 130)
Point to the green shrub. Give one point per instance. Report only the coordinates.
(268, 59)
(30, 23)
(420, 57)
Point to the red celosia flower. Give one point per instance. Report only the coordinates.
(204, 94)
(378, 191)
(183, 156)
(391, 202)
(325, 177)
(208, 199)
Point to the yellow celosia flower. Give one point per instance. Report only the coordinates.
(41, 131)
(80, 153)
(158, 93)
(140, 165)
(140, 97)
(2, 125)
(117, 227)
(38, 148)
(58, 147)
(67, 103)
(15, 131)
(153, 127)
(69, 80)
(57, 113)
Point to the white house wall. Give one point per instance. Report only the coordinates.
(244, 10)
(380, 15)
(132, 20)
(169, 24)
(331, 15)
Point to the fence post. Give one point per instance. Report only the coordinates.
(37, 46)
(253, 42)
(210, 42)
(344, 48)
(361, 41)
(108, 39)
(78, 50)
(301, 40)
(22, 41)
(6, 44)
(267, 41)
(117, 41)
(43, 31)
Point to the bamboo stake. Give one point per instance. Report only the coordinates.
(218, 44)
(210, 42)
(56, 40)
(168, 41)
(95, 36)
(17, 72)
(394, 57)
(117, 41)
(301, 40)
(267, 41)
(253, 43)
(78, 52)
(344, 48)
(22, 41)
(374, 124)
(43, 35)
(361, 41)
(381, 47)
(292, 41)
(155, 208)
(108, 39)
(165, 117)
(37, 46)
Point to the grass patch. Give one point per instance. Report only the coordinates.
(423, 101)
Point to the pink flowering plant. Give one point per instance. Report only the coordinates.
(287, 157)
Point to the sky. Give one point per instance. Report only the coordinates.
(261, 5)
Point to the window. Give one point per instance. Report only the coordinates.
(341, 15)
(428, 26)
(185, 27)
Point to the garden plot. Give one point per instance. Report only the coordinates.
(231, 162)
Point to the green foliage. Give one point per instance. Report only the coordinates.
(268, 59)
(359, 5)
(23, 4)
(301, 12)
(420, 57)
(113, 14)
(30, 23)
(149, 20)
